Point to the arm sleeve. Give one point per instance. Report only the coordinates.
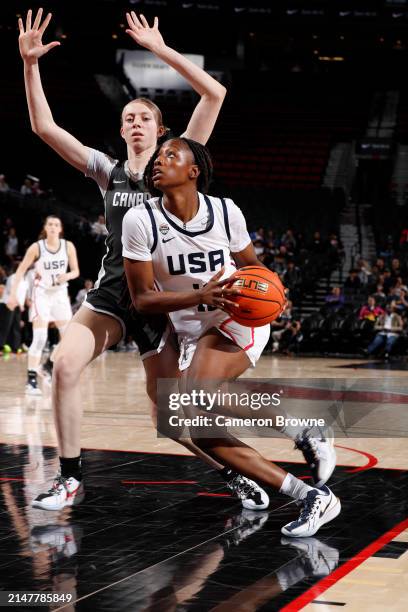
(137, 240)
(99, 168)
(238, 229)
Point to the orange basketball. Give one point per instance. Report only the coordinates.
(262, 297)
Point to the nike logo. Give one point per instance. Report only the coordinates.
(168, 239)
(118, 181)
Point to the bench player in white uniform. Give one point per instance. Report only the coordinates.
(176, 249)
(51, 256)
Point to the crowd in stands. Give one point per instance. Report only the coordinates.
(367, 314)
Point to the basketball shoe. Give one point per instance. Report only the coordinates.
(63, 492)
(318, 508)
(244, 525)
(63, 541)
(32, 387)
(315, 558)
(319, 454)
(252, 496)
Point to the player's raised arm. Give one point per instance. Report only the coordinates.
(212, 93)
(42, 121)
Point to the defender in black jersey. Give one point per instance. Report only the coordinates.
(100, 323)
(121, 191)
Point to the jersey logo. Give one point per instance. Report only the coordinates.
(196, 263)
(128, 200)
(167, 239)
(164, 228)
(54, 265)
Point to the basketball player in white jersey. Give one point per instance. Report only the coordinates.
(101, 321)
(51, 256)
(176, 249)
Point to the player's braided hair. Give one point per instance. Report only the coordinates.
(202, 159)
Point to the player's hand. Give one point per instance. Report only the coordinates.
(30, 39)
(12, 303)
(146, 36)
(215, 292)
(62, 278)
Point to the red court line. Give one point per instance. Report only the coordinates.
(339, 573)
(6, 479)
(372, 461)
(345, 395)
(171, 454)
(160, 482)
(205, 494)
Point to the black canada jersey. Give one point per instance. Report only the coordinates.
(120, 193)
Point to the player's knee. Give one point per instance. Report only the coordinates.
(66, 370)
(40, 335)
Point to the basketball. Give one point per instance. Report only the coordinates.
(262, 297)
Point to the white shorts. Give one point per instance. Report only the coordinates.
(50, 305)
(252, 340)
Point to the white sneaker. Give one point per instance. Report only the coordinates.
(314, 559)
(62, 541)
(244, 525)
(319, 508)
(319, 454)
(64, 492)
(32, 388)
(252, 496)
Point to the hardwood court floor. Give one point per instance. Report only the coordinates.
(364, 552)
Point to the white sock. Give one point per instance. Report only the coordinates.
(295, 488)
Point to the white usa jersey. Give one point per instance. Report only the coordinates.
(50, 265)
(186, 256)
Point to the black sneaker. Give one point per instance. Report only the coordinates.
(32, 387)
(252, 496)
(47, 368)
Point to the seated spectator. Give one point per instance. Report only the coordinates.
(292, 279)
(259, 247)
(396, 289)
(370, 311)
(36, 189)
(387, 281)
(401, 302)
(27, 187)
(379, 295)
(279, 262)
(396, 268)
(334, 301)
(335, 252)
(98, 229)
(3, 184)
(364, 272)
(81, 295)
(352, 281)
(288, 240)
(388, 327)
(291, 338)
(317, 245)
(380, 265)
(280, 324)
(11, 245)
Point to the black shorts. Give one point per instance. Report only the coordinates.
(149, 332)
